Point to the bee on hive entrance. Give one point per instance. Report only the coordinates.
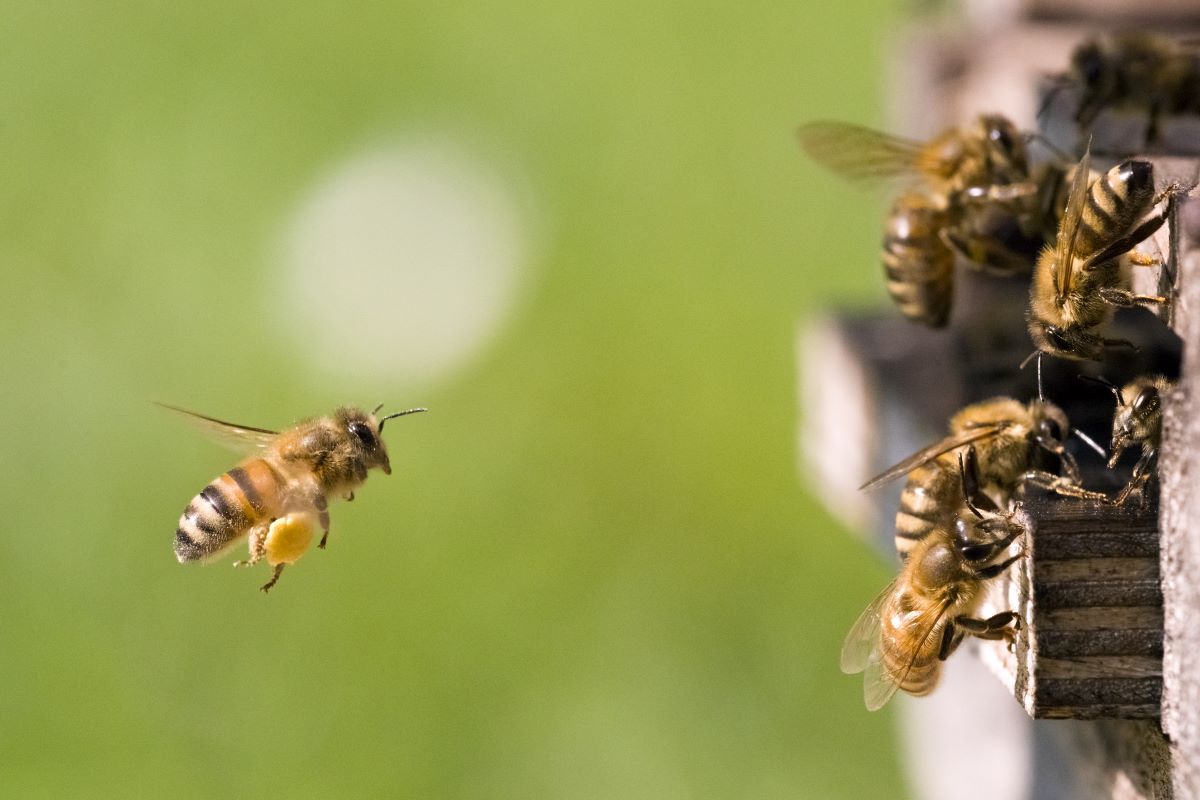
(1137, 419)
(1078, 282)
(1007, 436)
(918, 620)
(1135, 71)
(280, 493)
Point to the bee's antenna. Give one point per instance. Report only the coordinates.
(399, 414)
(1041, 395)
(375, 410)
(1034, 136)
(1029, 358)
(1090, 443)
(966, 493)
(1106, 383)
(1056, 85)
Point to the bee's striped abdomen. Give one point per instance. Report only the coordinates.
(918, 265)
(930, 501)
(232, 504)
(1116, 202)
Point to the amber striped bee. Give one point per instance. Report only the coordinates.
(1080, 281)
(918, 620)
(1007, 437)
(280, 493)
(974, 197)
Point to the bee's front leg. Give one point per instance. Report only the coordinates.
(322, 508)
(1062, 486)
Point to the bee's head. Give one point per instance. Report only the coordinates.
(1007, 151)
(1073, 342)
(1137, 420)
(1089, 63)
(363, 431)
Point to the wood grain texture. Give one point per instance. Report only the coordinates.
(1091, 646)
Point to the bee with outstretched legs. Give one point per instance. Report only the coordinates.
(1008, 437)
(1080, 281)
(974, 198)
(1137, 420)
(278, 495)
(918, 620)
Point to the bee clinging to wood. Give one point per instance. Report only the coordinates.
(1132, 72)
(1007, 437)
(974, 197)
(1137, 420)
(280, 493)
(920, 618)
(1080, 281)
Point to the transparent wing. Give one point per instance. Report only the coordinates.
(879, 684)
(924, 456)
(1068, 229)
(238, 437)
(857, 153)
(860, 648)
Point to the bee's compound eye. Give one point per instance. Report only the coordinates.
(1052, 429)
(363, 433)
(1146, 401)
(1057, 339)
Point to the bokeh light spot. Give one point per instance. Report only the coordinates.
(403, 262)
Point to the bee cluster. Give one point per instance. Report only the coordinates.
(1072, 219)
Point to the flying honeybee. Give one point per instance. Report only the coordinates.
(1007, 437)
(1077, 283)
(974, 196)
(1134, 71)
(1137, 420)
(918, 620)
(280, 493)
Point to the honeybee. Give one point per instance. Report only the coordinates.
(1006, 436)
(1077, 283)
(917, 621)
(1137, 420)
(974, 197)
(280, 493)
(1134, 71)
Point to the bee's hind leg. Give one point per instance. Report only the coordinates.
(1125, 298)
(998, 626)
(266, 587)
(258, 547)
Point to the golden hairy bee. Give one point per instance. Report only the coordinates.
(1006, 437)
(279, 494)
(974, 196)
(918, 620)
(1079, 281)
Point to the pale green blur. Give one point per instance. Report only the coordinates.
(594, 572)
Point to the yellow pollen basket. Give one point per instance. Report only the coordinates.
(289, 537)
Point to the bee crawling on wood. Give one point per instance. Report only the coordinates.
(280, 493)
(1137, 420)
(1132, 71)
(1086, 275)
(1008, 437)
(918, 620)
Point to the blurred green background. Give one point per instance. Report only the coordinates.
(595, 572)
